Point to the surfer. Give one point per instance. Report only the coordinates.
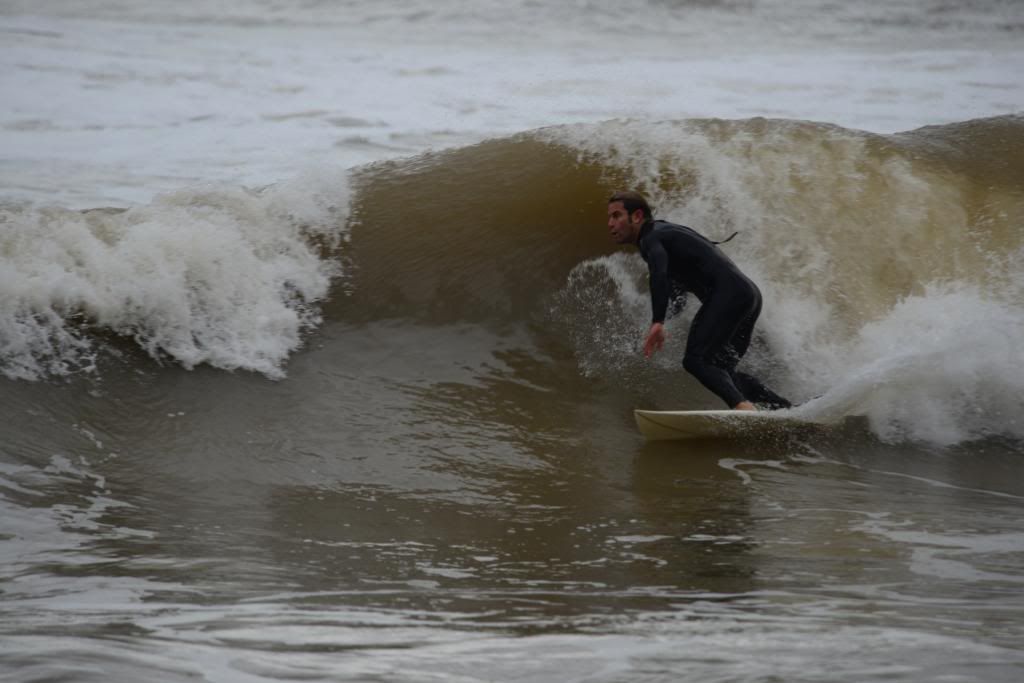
(681, 260)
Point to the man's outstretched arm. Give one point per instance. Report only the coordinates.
(657, 265)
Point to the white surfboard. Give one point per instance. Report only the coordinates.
(717, 424)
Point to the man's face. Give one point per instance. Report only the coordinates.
(622, 227)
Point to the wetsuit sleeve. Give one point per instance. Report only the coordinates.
(657, 264)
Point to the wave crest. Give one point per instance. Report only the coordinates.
(226, 277)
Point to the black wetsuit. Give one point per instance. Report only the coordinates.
(682, 260)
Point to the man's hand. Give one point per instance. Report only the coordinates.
(655, 339)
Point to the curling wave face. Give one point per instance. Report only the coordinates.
(890, 263)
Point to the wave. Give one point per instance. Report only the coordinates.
(890, 264)
(226, 277)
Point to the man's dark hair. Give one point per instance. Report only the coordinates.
(631, 201)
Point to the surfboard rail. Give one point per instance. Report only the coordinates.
(660, 425)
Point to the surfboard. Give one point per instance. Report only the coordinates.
(658, 425)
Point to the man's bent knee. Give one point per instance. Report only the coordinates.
(693, 364)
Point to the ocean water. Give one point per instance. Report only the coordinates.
(316, 362)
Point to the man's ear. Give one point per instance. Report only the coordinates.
(637, 216)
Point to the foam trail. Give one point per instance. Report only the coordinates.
(943, 367)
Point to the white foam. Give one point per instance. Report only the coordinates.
(227, 277)
(943, 367)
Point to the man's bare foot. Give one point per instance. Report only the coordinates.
(744, 405)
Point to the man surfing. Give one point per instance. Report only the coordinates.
(682, 260)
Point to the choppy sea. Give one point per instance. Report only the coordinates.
(316, 362)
